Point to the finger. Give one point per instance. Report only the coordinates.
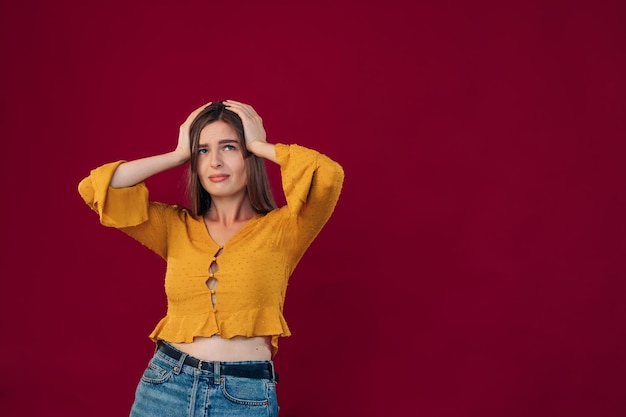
(203, 107)
(240, 112)
(246, 108)
(234, 105)
(197, 111)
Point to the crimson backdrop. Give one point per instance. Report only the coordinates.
(475, 262)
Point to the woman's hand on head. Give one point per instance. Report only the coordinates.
(252, 123)
(184, 147)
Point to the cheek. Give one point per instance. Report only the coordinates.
(239, 165)
(200, 170)
(203, 182)
(199, 163)
(242, 176)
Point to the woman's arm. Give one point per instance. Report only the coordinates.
(133, 172)
(311, 181)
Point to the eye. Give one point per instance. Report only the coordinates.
(202, 151)
(230, 148)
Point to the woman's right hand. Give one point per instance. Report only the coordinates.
(184, 147)
(133, 172)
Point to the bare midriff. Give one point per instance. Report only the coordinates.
(238, 348)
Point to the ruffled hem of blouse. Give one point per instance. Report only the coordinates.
(250, 323)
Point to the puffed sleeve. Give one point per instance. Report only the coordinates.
(116, 207)
(126, 208)
(312, 183)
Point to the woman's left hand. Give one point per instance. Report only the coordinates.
(252, 123)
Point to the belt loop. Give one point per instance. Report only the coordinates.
(217, 369)
(273, 376)
(181, 361)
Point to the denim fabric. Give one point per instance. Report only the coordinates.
(170, 389)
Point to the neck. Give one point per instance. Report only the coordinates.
(229, 211)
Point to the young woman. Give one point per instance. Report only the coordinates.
(229, 257)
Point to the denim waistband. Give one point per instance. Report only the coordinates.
(256, 369)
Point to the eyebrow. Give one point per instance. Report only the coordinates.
(221, 142)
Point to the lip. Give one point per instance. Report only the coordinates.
(218, 177)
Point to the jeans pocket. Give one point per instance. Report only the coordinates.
(157, 372)
(247, 391)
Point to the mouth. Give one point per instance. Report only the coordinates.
(218, 177)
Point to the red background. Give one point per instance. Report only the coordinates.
(475, 262)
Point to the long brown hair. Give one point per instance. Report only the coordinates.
(258, 188)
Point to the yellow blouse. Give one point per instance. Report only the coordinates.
(253, 267)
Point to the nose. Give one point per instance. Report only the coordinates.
(216, 161)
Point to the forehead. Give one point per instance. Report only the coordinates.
(216, 131)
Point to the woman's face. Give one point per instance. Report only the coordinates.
(221, 167)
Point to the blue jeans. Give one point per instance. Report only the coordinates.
(169, 388)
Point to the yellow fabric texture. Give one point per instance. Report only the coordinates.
(254, 266)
